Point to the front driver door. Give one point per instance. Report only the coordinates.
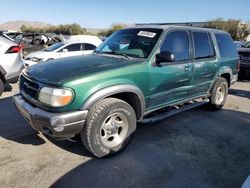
(70, 50)
(170, 81)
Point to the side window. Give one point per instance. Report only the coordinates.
(226, 45)
(203, 45)
(73, 47)
(177, 42)
(88, 46)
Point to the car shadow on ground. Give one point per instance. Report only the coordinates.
(240, 93)
(7, 87)
(196, 148)
(14, 127)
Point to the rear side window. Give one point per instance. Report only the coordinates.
(203, 45)
(226, 46)
(88, 46)
(177, 43)
(73, 47)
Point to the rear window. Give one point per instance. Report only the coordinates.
(226, 46)
(203, 45)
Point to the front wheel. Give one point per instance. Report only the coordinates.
(1, 87)
(219, 94)
(109, 127)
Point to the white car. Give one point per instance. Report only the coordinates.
(11, 62)
(86, 45)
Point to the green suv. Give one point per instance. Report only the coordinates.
(139, 74)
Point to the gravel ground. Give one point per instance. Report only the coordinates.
(196, 148)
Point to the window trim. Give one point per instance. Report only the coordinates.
(61, 50)
(169, 31)
(211, 42)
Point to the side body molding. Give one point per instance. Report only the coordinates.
(112, 90)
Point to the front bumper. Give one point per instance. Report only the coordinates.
(57, 125)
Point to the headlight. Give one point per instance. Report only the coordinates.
(35, 59)
(55, 97)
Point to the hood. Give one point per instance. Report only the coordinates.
(38, 54)
(57, 71)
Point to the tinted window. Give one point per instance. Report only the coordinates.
(203, 45)
(177, 43)
(73, 47)
(225, 45)
(88, 46)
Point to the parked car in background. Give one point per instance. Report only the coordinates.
(140, 74)
(238, 44)
(71, 47)
(11, 62)
(244, 54)
(5, 34)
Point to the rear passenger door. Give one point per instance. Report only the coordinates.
(170, 82)
(205, 63)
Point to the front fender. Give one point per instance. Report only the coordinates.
(112, 90)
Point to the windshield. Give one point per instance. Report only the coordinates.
(131, 42)
(54, 47)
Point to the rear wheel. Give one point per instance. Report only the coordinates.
(109, 127)
(1, 87)
(219, 94)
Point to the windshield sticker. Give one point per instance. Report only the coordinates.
(146, 34)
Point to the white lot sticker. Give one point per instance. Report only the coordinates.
(146, 34)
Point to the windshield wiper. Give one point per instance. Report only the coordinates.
(117, 53)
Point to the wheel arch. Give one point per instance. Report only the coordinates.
(2, 74)
(129, 93)
(226, 72)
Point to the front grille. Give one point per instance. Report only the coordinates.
(28, 88)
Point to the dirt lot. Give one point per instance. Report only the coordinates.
(197, 148)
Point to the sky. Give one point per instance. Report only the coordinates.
(102, 14)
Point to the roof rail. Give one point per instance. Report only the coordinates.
(191, 24)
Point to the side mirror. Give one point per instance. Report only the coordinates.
(65, 50)
(165, 56)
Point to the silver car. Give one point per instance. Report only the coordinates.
(11, 62)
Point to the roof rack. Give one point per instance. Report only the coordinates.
(191, 24)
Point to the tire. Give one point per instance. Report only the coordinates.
(1, 87)
(219, 94)
(109, 127)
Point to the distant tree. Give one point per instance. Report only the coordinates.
(108, 32)
(236, 28)
(23, 28)
(67, 29)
